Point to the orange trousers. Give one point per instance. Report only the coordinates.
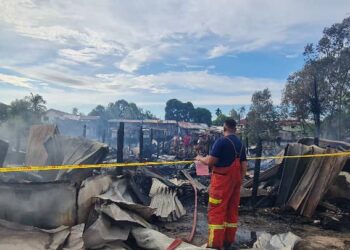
(224, 196)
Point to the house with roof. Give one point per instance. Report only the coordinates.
(290, 130)
(74, 125)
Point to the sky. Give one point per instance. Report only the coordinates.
(83, 53)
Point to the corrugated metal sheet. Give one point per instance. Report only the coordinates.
(36, 152)
(63, 150)
(143, 121)
(190, 125)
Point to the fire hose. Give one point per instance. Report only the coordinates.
(177, 242)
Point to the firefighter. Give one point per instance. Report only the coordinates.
(228, 164)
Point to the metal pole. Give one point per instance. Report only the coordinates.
(256, 173)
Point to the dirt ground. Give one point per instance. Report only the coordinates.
(252, 224)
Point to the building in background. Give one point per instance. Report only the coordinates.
(291, 130)
(74, 125)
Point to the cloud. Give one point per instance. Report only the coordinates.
(103, 50)
(197, 86)
(136, 33)
(218, 51)
(86, 55)
(135, 59)
(295, 55)
(16, 81)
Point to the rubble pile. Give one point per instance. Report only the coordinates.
(108, 209)
(90, 209)
(311, 186)
(100, 214)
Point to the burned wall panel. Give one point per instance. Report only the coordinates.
(44, 205)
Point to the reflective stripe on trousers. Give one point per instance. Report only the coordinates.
(212, 229)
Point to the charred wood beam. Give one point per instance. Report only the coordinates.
(151, 145)
(120, 142)
(3, 151)
(256, 173)
(141, 144)
(84, 131)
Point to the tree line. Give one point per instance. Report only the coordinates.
(29, 109)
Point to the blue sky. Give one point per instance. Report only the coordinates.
(213, 53)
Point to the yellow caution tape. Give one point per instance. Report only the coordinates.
(144, 164)
(299, 156)
(85, 166)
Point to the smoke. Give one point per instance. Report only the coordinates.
(15, 131)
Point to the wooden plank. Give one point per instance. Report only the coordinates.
(292, 171)
(328, 172)
(306, 181)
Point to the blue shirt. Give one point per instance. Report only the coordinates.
(225, 151)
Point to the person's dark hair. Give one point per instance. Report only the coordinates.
(230, 123)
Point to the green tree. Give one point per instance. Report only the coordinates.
(148, 115)
(3, 112)
(262, 117)
(220, 119)
(30, 108)
(23, 113)
(327, 67)
(75, 111)
(202, 115)
(99, 110)
(121, 109)
(241, 112)
(218, 112)
(299, 93)
(179, 111)
(234, 115)
(21, 108)
(37, 103)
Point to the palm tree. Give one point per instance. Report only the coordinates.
(37, 103)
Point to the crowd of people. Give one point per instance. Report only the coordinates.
(192, 144)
